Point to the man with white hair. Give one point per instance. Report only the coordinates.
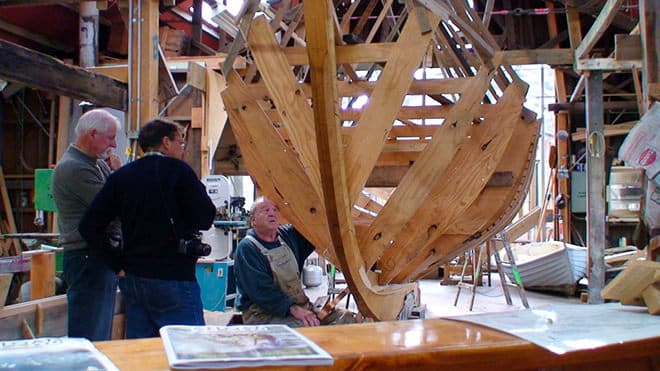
(78, 176)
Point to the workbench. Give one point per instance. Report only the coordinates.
(432, 344)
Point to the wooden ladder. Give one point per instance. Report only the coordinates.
(475, 277)
(517, 281)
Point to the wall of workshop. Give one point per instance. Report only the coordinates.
(24, 146)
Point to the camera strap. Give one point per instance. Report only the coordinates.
(162, 195)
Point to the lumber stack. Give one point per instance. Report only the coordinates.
(638, 284)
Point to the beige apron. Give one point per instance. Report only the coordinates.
(287, 277)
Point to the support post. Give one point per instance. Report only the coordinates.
(595, 185)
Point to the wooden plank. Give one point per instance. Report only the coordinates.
(420, 180)
(361, 87)
(456, 190)
(627, 286)
(196, 76)
(574, 27)
(345, 54)
(42, 275)
(604, 19)
(118, 72)
(523, 225)
(607, 64)
(488, 12)
(490, 213)
(627, 47)
(167, 88)
(215, 120)
(363, 147)
(649, 13)
(5, 282)
(265, 154)
(382, 303)
(535, 56)
(386, 8)
(364, 17)
(48, 42)
(15, 248)
(53, 317)
(248, 10)
(40, 71)
(290, 101)
(595, 186)
(146, 97)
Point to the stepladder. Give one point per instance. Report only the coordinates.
(516, 281)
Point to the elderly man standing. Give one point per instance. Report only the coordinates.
(267, 266)
(78, 176)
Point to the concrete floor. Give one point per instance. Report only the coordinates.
(438, 300)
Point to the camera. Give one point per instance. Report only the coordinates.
(192, 245)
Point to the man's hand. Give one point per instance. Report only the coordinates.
(114, 161)
(307, 317)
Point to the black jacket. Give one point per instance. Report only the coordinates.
(146, 194)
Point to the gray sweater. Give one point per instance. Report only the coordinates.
(76, 180)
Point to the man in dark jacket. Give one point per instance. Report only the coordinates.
(161, 203)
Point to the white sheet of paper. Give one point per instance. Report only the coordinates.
(563, 328)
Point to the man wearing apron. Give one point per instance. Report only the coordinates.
(267, 267)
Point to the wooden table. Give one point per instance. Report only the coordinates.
(422, 344)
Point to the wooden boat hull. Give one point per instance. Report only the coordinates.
(459, 181)
(550, 265)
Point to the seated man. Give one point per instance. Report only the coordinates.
(267, 266)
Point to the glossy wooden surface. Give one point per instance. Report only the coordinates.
(422, 344)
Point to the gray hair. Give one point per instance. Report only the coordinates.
(96, 119)
(257, 201)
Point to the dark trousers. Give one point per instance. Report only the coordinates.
(91, 292)
(153, 303)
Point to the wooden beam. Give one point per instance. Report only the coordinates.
(390, 176)
(363, 147)
(580, 107)
(535, 56)
(580, 135)
(604, 19)
(523, 224)
(37, 38)
(380, 52)
(40, 71)
(51, 320)
(649, 17)
(215, 120)
(456, 190)
(574, 27)
(9, 213)
(290, 101)
(426, 171)
(144, 63)
(382, 303)
(607, 64)
(627, 47)
(595, 186)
